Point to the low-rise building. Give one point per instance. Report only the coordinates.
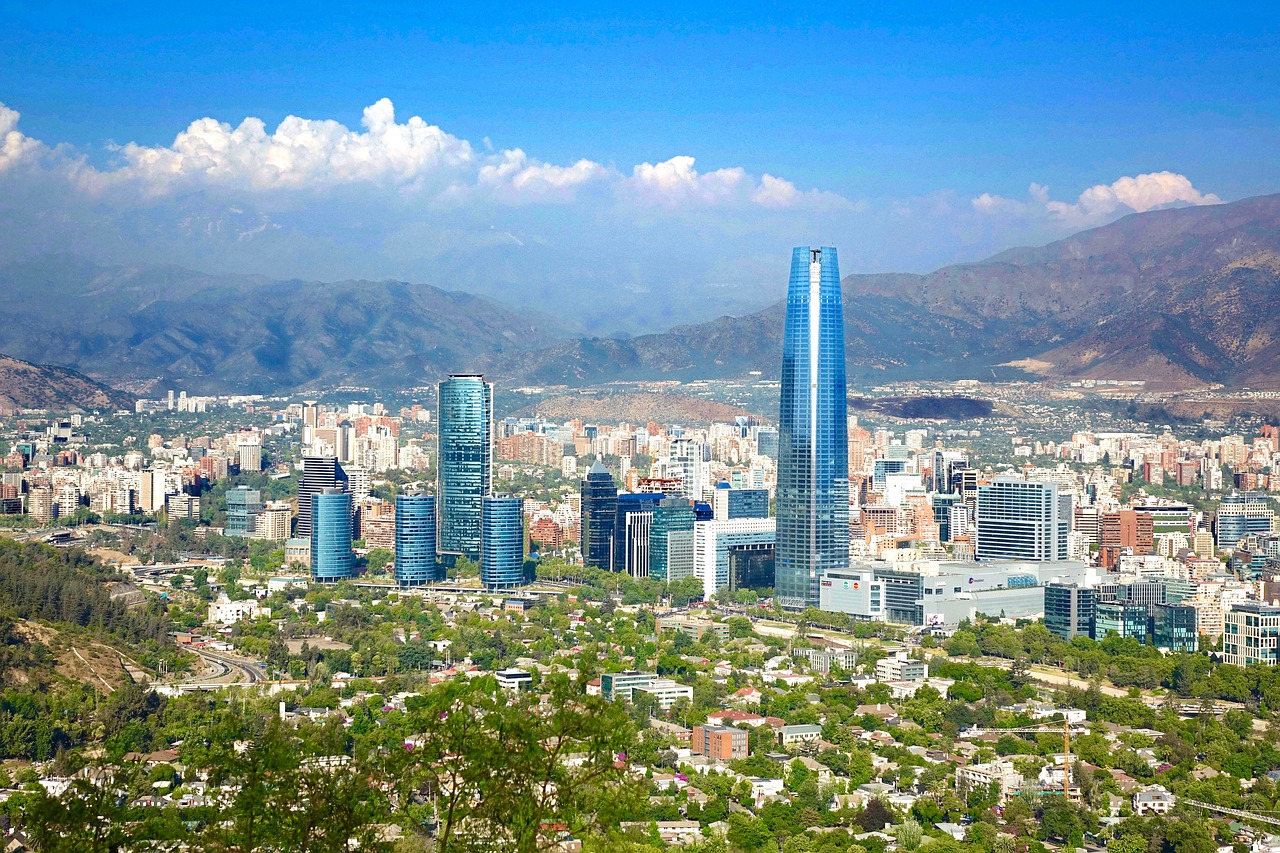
(721, 743)
(665, 691)
(1000, 773)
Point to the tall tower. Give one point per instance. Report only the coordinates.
(416, 562)
(331, 556)
(502, 556)
(318, 473)
(599, 510)
(813, 439)
(465, 468)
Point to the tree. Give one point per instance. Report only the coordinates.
(875, 816)
(909, 835)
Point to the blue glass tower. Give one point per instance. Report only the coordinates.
(502, 551)
(813, 439)
(331, 556)
(465, 470)
(599, 508)
(416, 562)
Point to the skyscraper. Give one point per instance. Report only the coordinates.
(813, 442)
(416, 562)
(331, 556)
(465, 470)
(599, 509)
(318, 473)
(1019, 519)
(502, 550)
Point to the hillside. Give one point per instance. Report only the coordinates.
(24, 385)
(165, 326)
(1180, 298)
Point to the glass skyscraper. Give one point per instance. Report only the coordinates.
(465, 470)
(318, 473)
(502, 552)
(599, 508)
(331, 556)
(416, 562)
(813, 439)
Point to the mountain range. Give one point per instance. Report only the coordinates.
(24, 385)
(1180, 298)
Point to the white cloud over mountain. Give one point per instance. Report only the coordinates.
(1099, 203)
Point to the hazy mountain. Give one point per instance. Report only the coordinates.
(40, 386)
(200, 332)
(1177, 297)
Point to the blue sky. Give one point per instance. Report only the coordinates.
(889, 123)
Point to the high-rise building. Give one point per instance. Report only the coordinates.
(1124, 619)
(813, 440)
(465, 470)
(243, 506)
(729, 503)
(502, 542)
(331, 556)
(599, 516)
(1174, 627)
(632, 525)
(416, 562)
(1021, 520)
(712, 541)
(249, 457)
(671, 540)
(318, 473)
(1252, 634)
(1069, 609)
(1240, 514)
(767, 442)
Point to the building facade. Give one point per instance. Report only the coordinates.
(1019, 519)
(671, 540)
(415, 538)
(599, 515)
(1251, 634)
(318, 473)
(1069, 609)
(812, 500)
(502, 542)
(331, 556)
(465, 464)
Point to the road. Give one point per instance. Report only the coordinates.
(225, 669)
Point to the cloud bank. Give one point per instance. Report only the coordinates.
(1101, 203)
(633, 247)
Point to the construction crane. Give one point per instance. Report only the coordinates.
(979, 731)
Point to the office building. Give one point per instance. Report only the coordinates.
(415, 541)
(1021, 520)
(615, 685)
(899, 666)
(671, 542)
(1069, 609)
(719, 743)
(752, 566)
(1251, 634)
(318, 474)
(1174, 627)
(1125, 620)
(1241, 514)
(1127, 529)
(465, 466)
(243, 507)
(664, 691)
(767, 442)
(712, 541)
(729, 503)
(502, 542)
(599, 515)
(331, 556)
(812, 502)
(633, 522)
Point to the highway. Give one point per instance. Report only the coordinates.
(224, 670)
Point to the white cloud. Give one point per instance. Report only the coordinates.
(1101, 202)
(14, 145)
(518, 177)
(676, 182)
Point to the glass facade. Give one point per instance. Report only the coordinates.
(1069, 609)
(502, 550)
(243, 506)
(813, 442)
(599, 511)
(671, 540)
(465, 472)
(751, 566)
(1175, 627)
(416, 562)
(1240, 514)
(318, 473)
(331, 556)
(1126, 621)
(633, 520)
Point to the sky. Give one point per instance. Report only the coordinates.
(624, 169)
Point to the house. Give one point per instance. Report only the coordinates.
(788, 735)
(735, 718)
(817, 769)
(748, 696)
(1153, 799)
